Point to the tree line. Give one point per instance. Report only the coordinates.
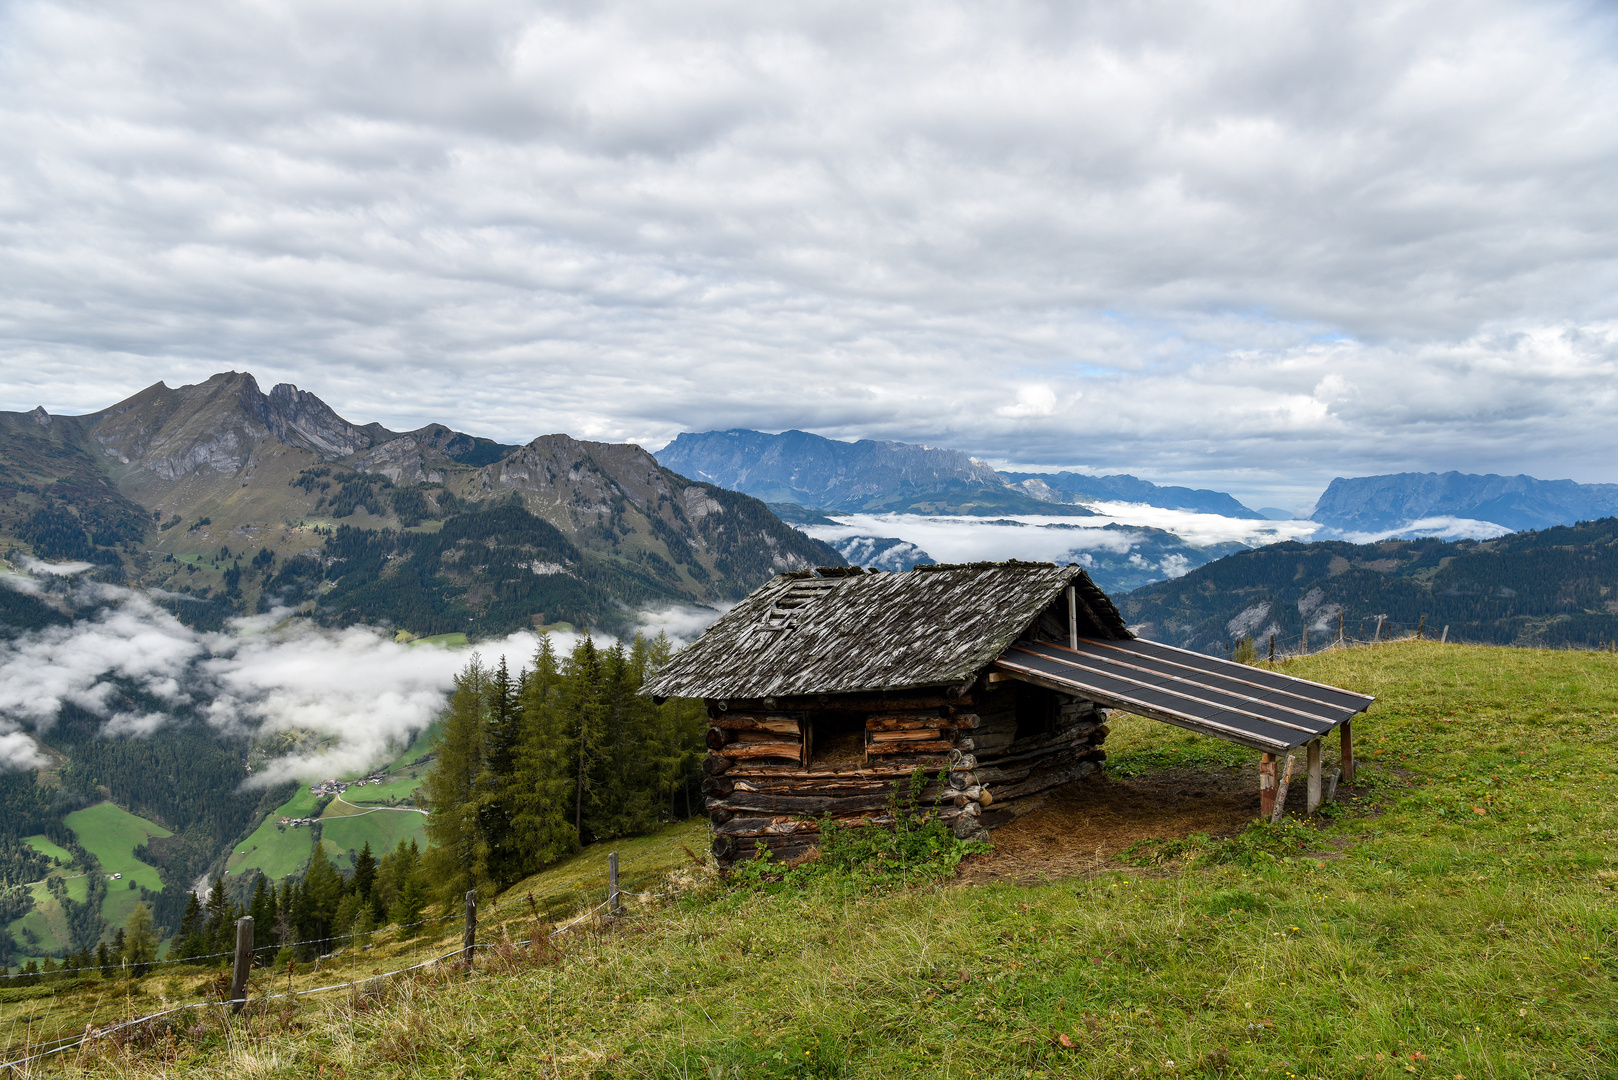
(533, 765)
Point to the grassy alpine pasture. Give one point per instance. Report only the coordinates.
(1459, 921)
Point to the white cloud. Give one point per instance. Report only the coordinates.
(1241, 245)
(366, 692)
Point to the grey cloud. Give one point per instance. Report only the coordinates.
(1145, 236)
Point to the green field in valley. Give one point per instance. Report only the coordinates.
(44, 846)
(111, 834)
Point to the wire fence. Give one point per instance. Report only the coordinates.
(50, 1048)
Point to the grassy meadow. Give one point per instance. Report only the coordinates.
(1457, 919)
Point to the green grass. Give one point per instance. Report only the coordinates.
(383, 829)
(1461, 920)
(274, 850)
(453, 641)
(45, 847)
(111, 834)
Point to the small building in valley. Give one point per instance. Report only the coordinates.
(826, 690)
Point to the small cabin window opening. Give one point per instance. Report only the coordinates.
(1037, 710)
(836, 737)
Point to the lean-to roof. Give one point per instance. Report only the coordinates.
(842, 631)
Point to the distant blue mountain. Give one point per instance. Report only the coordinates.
(1122, 487)
(1517, 503)
(806, 470)
(866, 476)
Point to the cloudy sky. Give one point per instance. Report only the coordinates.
(1247, 246)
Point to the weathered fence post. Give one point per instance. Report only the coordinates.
(242, 964)
(614, 905)
(1340, 628)
(1421, 626)
(1272, 648)
(1306, 639)
(471, 927)
(1379, 621)
(1314, 776)
(1281, 791)
(1443, 640)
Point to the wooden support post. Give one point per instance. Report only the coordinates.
(1266, 784)
(1073, 617)
(1306, 639)
(1272, 648)
(1346, 734)
(1314, 776)
(1445, 638)
(471, 937)
(1379, 620)
(614, 905)
(242, 964)
(1340, 628)
(1420, 627)
(1281, 791)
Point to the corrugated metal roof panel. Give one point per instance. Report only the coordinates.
(1261, 709)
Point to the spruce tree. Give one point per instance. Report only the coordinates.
(140, 947)
(543, 775)
(456, 790)
(189, 943)
(365, 873)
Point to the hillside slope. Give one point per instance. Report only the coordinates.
(234, 500)
(1556, 587)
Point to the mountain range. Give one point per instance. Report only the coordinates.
(229, 499)
(1398, 501)
(1555, 587)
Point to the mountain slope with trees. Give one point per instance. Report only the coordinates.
(1556, 588)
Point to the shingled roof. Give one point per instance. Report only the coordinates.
(843, 631)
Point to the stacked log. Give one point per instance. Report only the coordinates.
(765, 789)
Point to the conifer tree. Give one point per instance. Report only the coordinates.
(140, 946)
(456, 792)
(365, 873)
(189, 942)
(543, 776)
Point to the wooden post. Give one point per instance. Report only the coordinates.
(1305, 639)
(1346, 734)
(1445, 638)
(614, 905)
(1266, 784)
(1379, 620)
(1420, 626)
(1314, 776)
(471, 927)
(1281, 791)
(242, 964)
(1272, 648)
(1073, 617)
(1339, 628)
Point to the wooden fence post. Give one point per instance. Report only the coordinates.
(1346, 735)
(1420, 626)
(1379, 620)
(471, 927)
(614, 905)
(1281, 791)
(242, 964)
(1272, 648)
(1306, 639)
(1266, 785)
(1339, 628)
(1445, 638)
(1314, 776)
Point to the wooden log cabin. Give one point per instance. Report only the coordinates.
(826, 691)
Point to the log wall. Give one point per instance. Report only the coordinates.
(1001, 749)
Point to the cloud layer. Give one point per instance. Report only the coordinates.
(358, 688)
(1251, 246)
